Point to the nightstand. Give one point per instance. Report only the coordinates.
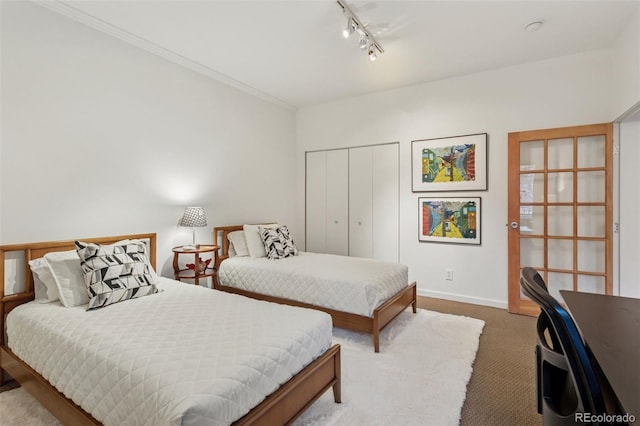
(201, 270)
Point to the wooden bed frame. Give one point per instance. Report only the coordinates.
(382, 315)
(281, 407)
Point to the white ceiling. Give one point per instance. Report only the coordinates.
(293, 52)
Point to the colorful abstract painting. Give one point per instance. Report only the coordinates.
(452, 220)
(450, 164)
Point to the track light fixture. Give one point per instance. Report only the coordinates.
(366, 40)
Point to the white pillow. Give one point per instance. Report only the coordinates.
(44, 284)
(67, 273)
(238, 243)
(254, 241)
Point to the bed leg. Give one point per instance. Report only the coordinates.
(4, 377)
(414, 304)
(337, 386)
(376, 331)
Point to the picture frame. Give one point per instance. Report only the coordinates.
(449, 220)
(457, 163)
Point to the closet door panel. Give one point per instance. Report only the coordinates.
(360, 202)
(337, 199)
(386, 199)
(316, 204)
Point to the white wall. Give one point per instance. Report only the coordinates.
(626, 102)
(629, 209)
(101, 138)
(568, 91)
(626, 67)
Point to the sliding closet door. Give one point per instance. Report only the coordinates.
(361, 202)
(316, 202)
(386, 202)
(327, 202)
(337, 218)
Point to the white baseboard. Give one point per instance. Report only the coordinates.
(465, 299)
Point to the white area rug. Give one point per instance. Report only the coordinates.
(419, 377)
(18, 408)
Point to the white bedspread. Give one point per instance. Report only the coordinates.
(348, 284)
(185, 356)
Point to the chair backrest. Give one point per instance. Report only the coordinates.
(582, 371)
(531, 275)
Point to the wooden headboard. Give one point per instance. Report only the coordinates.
(223, 232)
(36, 250)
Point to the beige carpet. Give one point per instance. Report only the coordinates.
(502, 389)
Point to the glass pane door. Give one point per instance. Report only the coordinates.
(560, 210)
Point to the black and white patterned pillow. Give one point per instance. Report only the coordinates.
(277, 242)
(114, 273)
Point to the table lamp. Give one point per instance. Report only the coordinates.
(193, 216)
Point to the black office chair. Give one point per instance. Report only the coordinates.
(544, 330)
(566, 379)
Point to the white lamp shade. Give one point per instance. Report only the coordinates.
(193, 216)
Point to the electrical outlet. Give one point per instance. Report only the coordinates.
(448, 275)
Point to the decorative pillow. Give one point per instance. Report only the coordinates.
(44, 284)
(239, 243)
(67, 273)
(67, 276)
(278, 243)
(146, 248)
(254, 240)
(116, 273)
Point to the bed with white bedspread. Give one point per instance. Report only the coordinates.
(360, 294)
(349, 284)
(185, 355)
(170, 369)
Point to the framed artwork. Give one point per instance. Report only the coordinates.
(449, 220)
(457, 163)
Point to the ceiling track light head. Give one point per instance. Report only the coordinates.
(364, 41)
(350, 27)
(372, 52)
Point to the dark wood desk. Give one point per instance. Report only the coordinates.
(610, 326)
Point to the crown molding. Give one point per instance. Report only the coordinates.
(107, 28)
(632, 114)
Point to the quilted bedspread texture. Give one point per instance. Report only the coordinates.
(185, 356)
(348, 284)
